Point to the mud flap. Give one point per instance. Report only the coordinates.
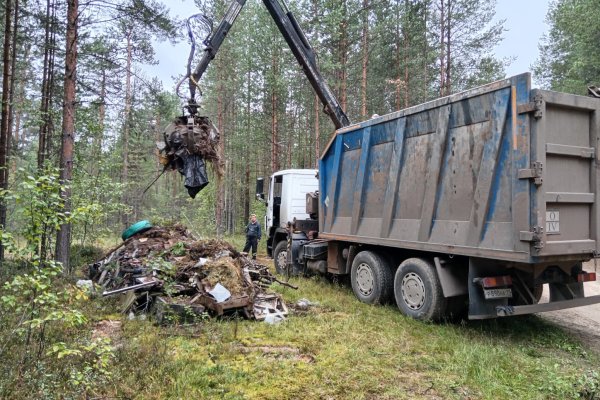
(296, 260)
(479, 307)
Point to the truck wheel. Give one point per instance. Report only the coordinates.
(536, 290)
(371, 278)
(280, 257)
(418, 290)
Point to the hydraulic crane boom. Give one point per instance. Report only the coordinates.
(296, 40)
(213, 43)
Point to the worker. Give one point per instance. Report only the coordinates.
(253, 235)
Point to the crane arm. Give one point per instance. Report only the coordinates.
(296, 40)
(213, 43)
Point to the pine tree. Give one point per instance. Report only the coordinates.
(569, 60)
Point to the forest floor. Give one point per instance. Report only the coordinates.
(339, 348)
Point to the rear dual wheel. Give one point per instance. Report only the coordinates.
(418, 290)
(372, 278)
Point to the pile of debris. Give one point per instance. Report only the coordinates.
(165, 269)
(188, 142)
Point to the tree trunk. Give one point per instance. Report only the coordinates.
(44, 102)
(46, 125)
(220, 206)
(406, 43)
(6, 78)
(13, 78)
(424, 66)
(365, 60)
(51, 75)
(43, 132)
(448, 54)
(289, 147)
(398, 61)
(19, 112)
(125, 169)
(343, 57)
(274, 119)
(317, 101)
(101, 116)
(317, 131)
(63, 239)
(442, 49)
(247, 192)
(247, 152)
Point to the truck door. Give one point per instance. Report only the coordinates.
(274, 205)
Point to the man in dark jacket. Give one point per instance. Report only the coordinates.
(253, 235)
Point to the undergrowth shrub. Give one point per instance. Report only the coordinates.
(45, 345)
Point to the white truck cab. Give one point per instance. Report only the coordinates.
(286, 200)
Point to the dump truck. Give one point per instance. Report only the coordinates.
(471, 202)
(468, 203)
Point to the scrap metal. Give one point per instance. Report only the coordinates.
(167, 270)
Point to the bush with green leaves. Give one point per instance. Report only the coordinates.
(44, 337)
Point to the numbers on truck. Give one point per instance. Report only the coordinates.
(552, 222)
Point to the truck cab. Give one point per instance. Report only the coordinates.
(285, 201)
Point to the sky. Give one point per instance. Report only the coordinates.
(525, 25)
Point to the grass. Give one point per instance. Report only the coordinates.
(340, 349)
(343, 349)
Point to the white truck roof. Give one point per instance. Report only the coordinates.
(296, 172)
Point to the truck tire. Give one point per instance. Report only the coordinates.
(418, 290)
(536, 290)
(280, 257)
(372, 278)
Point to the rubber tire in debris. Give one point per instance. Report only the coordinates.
(138, 227)
(280, 251)
(418, 290)
(371, 277)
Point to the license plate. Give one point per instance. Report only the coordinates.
(497, 293)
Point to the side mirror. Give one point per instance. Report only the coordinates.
(260, 188)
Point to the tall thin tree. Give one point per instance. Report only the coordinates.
(47, 84)
(63, 238)
(6, 74)
(365, 59)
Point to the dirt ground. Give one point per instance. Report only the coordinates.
(582, 321)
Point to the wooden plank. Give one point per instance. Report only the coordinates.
(391, 192)
(487, 167)
(359, 183)
(332, 197)
(566, 197)
(433, 173)
(575, 151)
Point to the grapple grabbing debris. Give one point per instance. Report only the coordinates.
(188, 143)
(166, 269)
